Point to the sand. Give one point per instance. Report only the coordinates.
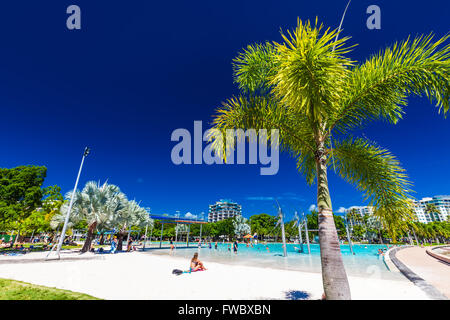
(139, 275)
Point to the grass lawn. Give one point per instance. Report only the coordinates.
(18, 290)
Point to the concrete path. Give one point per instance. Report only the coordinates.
(433, 271)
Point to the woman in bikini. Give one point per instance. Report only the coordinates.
(196, 265)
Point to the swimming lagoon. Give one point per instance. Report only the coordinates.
(365, 262)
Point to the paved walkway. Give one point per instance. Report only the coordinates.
(433, 271)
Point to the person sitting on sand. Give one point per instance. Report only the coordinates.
(196, 265)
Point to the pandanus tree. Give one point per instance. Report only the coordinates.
(317, 98)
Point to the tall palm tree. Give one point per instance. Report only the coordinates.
(315, 96)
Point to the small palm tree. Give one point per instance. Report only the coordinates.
(353, 216)
(432, 210)
(131, 215)
(307, 89)
(96, 204)
(241, 226)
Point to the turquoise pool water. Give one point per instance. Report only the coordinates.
(366, 262)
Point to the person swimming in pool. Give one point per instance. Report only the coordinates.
(196, 265)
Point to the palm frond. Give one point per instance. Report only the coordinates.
(378, 89)
(254, 67)
(310, 75)
(260, 113)
(375, 172)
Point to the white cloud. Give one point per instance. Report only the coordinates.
(312, 207)
(190, 216)
(341, 210)
(260, 198)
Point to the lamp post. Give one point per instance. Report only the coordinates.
(63, 232)
(348, 236)
(306, 233)
(283, 235)
(201, 216)
(298, 223)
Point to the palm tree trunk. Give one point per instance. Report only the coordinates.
(120, 241)
(89, 237)
(334, 277)
(102, 239)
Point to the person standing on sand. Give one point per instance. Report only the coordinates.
(114, 245)
(130, 242)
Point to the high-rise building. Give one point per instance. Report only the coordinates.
(223, 209)
(442, 204)
(362, 211)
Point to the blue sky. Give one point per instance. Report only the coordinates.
(138, 70)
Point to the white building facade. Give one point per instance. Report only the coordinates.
(442, 204)
(363, 211)
(223, 209)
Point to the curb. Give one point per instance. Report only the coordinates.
(387, 260)
(431, 291)
(438, 256)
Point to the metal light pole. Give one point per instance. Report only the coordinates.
(300, 238)
(151, 233)
(307, 235)
(177, 215)
(63, 232)
(202, 214)
(283, 236)
(348, 236)
(176, 235)
(145, 237)
(187, 238)
(160, 239)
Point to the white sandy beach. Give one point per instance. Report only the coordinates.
(140, 275)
